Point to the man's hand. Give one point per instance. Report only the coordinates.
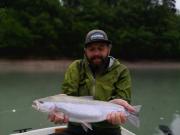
(116, 118)
(58, 118)
(123, 103)
(119, 117)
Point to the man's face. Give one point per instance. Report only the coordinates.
(97, 52)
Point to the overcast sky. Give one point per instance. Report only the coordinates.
(178, 4)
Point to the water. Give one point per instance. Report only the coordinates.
(158, 91)
(17, 91)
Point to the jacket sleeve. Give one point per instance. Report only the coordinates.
(123, 85)
(70, 84)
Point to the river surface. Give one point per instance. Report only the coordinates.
(157, 90)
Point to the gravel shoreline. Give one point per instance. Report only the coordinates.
(61, 65)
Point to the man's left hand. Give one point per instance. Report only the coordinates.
(119, 117)
(123, 103)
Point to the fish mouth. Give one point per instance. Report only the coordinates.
(35, 105)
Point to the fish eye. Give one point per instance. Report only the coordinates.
(41, 102)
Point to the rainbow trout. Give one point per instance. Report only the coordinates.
(83, 110)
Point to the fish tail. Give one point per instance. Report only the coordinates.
(133, 118)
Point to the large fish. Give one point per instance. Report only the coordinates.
(83, 110)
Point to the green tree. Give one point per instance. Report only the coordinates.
(139, 29)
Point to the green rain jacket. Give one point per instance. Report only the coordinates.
(113, 83)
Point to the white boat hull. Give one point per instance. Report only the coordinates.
(50, 130)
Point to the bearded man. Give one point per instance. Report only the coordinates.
(99, 75)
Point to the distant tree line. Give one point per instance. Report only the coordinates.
(139, 29)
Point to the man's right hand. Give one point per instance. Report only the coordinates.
(58, 118)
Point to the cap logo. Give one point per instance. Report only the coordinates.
(97, 36)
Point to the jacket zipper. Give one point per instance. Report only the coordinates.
(94, 87)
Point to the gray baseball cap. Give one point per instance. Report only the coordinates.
(96, 36)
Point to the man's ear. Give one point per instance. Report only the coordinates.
(84, 50)
(110, 46)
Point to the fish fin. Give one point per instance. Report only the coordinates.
(134, 120)
(87, 97)
(86, 126)
(134, 116)
(137, 108)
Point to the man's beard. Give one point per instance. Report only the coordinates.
(98, 67)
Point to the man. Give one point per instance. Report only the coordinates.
(101, 76)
